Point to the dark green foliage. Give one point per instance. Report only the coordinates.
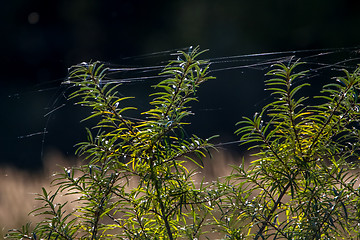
(134, 185)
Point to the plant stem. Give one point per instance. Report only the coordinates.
(272, 211)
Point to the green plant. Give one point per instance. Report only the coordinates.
(302, 186)
(134, 183)
(165, 203)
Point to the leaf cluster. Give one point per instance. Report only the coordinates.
(302, 185)
(134, 183)
(147, 154)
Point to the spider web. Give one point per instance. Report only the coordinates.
(237, 91)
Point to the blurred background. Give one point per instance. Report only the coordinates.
(42, 39)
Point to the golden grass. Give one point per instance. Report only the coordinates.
(18, 188)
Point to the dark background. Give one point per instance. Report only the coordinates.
(41, 39)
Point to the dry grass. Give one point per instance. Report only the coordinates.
(18, 188)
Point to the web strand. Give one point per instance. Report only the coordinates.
(138, 72)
